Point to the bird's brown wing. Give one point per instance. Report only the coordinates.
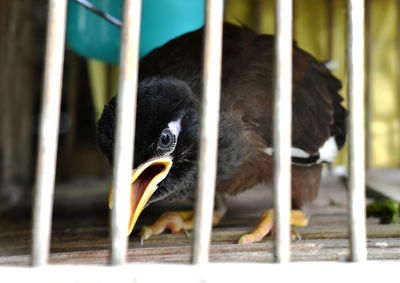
(248, 92)
(317, 112)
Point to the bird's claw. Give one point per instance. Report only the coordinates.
(186, 232)
(295, 236)
(247, 239)
(265, 226)
(261, 230)
(145, 234)
(251, 238)
(174, 221)
(180, 221)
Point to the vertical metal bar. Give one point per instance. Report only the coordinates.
(208, 130)
(48, 132)
(125, 129)
(283, 128)
(355, 65)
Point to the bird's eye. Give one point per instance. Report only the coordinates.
(167, 140)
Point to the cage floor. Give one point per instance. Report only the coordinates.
(80, 233)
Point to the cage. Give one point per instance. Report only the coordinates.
(75, 230)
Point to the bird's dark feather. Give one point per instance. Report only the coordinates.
(170, 86)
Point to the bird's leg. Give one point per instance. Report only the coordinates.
(181, 221)
(265, 226)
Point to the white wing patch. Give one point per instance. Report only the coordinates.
(296, 152)
(269, 151)
(327, 153)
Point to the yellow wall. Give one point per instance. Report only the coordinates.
(385, 100)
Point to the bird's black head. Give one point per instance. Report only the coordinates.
(166, 127)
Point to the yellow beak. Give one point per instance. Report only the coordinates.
(144, 181)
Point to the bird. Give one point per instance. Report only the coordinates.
(168, 116)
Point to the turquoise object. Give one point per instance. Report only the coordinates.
(162, 20)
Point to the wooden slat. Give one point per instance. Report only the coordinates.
(307, 249)
(334, 272)
(96, 239)
(80, 230)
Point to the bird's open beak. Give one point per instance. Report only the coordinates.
(144, 181)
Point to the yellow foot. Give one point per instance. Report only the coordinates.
(175, 222)
(265, 226)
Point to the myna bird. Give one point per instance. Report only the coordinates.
(167, 126)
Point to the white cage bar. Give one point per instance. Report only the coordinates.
(283, 128)
(125, 128)
(209, 124)
(48, 132)
(355, 68)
